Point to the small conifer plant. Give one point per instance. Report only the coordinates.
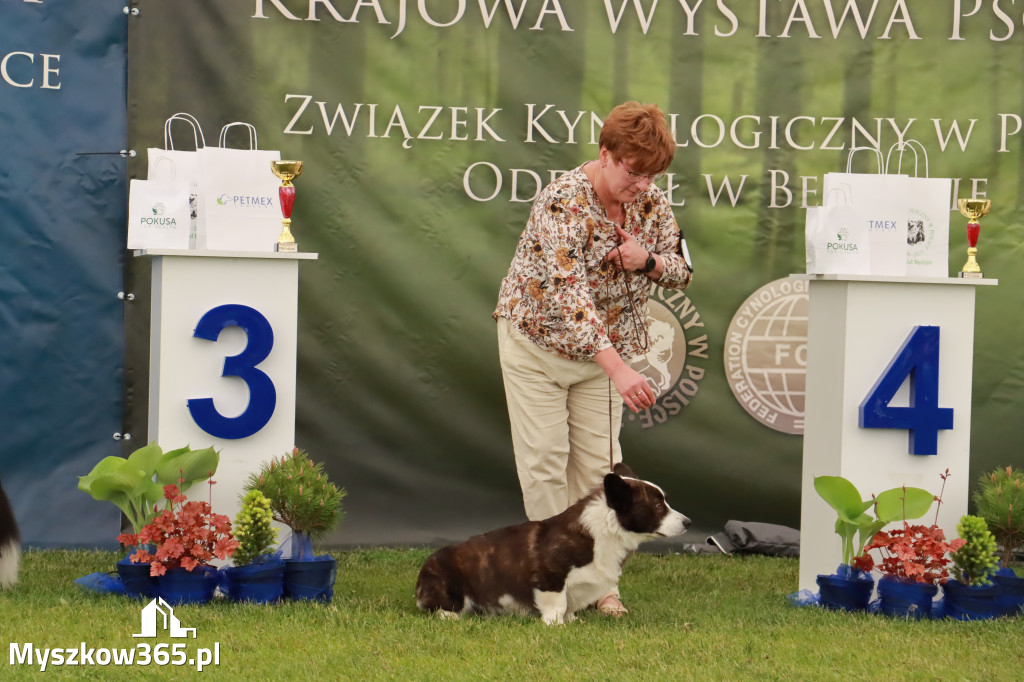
(1000, 501)
(976, 559)
(254, 528)
(301, 496)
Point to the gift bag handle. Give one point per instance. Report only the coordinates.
(843, 190)
(253, 142)
(878, 156)
(197, 130)
(157, 167)
(903, 146)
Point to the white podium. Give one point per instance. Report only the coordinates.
(222, 359)
(876, 347)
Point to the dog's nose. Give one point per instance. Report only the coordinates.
(686, 522)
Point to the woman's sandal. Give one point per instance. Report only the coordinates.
(611, 605)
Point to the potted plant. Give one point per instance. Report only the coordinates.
(850, 588)
(185, 538)
(914, 563)
(302, 498)
(999, 498)
(972, 595)
(257, 574)
(135, 485)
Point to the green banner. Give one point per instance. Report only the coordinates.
(427, 126)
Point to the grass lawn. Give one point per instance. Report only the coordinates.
(692, 618)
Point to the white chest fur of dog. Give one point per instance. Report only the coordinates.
(553, 567)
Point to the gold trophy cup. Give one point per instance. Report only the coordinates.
(973, 209)
(287, 171)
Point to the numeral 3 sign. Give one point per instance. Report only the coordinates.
(262, 394)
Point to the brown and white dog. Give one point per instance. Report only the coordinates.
(10, 543)
(553, 567)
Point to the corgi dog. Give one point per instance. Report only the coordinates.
(555, 567)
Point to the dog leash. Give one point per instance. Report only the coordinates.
(646, 345)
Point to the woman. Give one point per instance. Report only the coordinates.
(572, 311)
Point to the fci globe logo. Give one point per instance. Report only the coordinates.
(766, 354)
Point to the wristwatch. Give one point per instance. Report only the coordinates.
(651, 263)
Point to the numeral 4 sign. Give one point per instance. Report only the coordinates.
(918, 360)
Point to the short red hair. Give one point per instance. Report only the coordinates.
(640, 134)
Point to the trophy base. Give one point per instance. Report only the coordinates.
(286, 247)
(970, 275)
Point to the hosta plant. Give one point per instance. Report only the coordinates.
(135, 484)
(853, 521)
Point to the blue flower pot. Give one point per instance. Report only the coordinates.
(971, 602)
(905, 598)
(178, 586)
(261, 582)
(311, 580)
(136, 579)
(1011, 592)
(846, 590)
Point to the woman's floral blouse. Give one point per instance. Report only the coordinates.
(559, 290)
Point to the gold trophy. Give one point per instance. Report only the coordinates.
(287, 171)
(973, 209)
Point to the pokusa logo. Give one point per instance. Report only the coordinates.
(676, 361)
(157, 219)
(245, 200)
(842, 243)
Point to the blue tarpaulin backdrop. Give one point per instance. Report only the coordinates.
(62, 124)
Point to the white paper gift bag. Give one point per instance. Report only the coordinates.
(187, 168)
(927, 203)
(159, 215)
(240, 195)
(837, 239)
(877, 200)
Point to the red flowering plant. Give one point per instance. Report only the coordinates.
(914, 552)
(185, 535)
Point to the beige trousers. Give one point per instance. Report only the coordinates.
(559, 413)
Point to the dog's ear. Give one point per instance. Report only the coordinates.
(622, 469)
(617, 492)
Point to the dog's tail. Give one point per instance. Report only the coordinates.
(10, 543)
(10, 557)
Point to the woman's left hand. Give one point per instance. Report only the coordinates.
(628, 255)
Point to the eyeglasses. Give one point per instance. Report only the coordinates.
(638, 177)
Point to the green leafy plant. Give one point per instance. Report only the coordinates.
(301, 496)
(135, 484)
(853, 521)
(977, 559)
(913, 552)
(253, 528)
(1000, 501)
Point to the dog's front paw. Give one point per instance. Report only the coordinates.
(555, 618)
(448, 615)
